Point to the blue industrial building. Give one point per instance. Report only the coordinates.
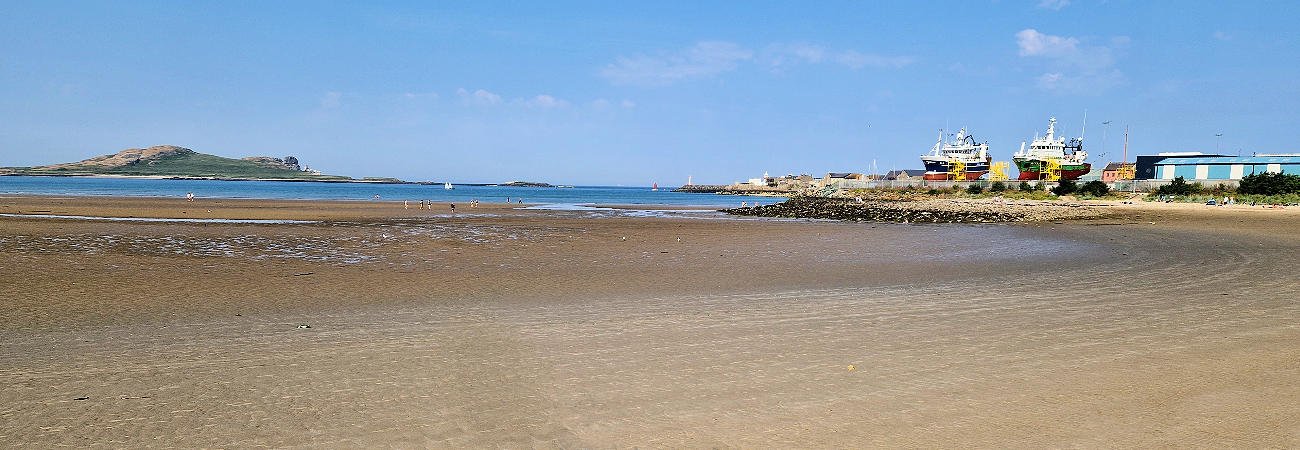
(1224, 167)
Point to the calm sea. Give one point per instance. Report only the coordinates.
(356, 191)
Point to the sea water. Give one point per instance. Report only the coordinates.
(307, 190)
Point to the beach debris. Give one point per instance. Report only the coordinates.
(304, 326)
(303, 274)
(851, 368)
(82, 398)
(624, 238)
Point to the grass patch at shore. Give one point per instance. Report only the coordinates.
(1242, 199)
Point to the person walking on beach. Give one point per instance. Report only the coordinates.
(406, 204)
(189, 196)
(453, 207)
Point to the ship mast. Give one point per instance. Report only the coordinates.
(1085, 126)
(1125, 144)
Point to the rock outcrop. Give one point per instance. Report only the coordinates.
(288, 163)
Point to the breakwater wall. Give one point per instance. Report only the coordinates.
(921, 211)
(734, 190)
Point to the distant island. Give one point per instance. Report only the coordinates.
(526, 184)
(170, 161)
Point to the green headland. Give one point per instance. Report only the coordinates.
(170, 161)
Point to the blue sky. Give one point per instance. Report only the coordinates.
(632, 94)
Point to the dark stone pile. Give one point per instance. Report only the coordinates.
(922, 211)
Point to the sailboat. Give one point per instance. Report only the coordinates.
(447, 186)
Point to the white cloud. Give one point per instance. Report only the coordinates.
(480, 97)
(1054, 5)
(1033, 43)
(1066, 50)
(702, 60)
(628, 104)
(545, 102)
(419, 95)
(1089, 67)
(1220, 35)
(330, 100)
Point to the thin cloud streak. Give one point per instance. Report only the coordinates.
(702, 60)
(778, 55)
(708, 59)
(1054, 5)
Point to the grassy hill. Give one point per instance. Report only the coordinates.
(172, 161)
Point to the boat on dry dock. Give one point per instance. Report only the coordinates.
(959, 159)
(1052, 158)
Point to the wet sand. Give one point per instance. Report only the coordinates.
(519, 328)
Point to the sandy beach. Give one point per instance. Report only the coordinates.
(1160, 325)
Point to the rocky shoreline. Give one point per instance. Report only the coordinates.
(734, 190)
(922, 211)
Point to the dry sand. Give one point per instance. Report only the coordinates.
(498, 327)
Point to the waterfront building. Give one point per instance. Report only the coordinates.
(905, 174)
(1117, 171)
(1223, 167)
(836, 177)
(1146, 165)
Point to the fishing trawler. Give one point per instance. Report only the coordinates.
(1052, 158)
(959, 159)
